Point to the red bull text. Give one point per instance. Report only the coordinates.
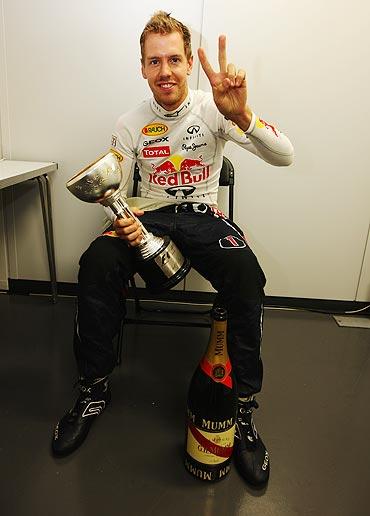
(189, 172)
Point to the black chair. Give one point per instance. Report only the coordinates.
(226, 179)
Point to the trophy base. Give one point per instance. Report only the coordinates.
(164, 269)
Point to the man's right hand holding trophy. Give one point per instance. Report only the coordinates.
(160, 263)
(129, 229)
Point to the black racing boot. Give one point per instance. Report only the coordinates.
(71, 431)
(250, 456)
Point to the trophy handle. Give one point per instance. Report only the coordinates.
(122, 210)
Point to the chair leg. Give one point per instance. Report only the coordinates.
(136, 296)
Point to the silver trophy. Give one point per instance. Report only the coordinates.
(160, 263)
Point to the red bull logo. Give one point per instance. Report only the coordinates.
(189, 164)
(262, 123)
(177, 171)
(167, 167)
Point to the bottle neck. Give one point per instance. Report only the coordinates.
(215, 362)
(216, 352)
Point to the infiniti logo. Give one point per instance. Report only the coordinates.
(193, 129)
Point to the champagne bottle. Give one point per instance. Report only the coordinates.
(212, 406)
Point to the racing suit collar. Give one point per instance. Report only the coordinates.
(177, 113)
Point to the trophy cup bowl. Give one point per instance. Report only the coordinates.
(160, 263)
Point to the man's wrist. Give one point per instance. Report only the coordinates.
(244, 120)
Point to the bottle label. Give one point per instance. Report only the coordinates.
(218, 372)
(204, 474)
(209, 447)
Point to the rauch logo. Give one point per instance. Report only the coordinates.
(154, 129)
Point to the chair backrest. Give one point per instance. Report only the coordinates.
(227, 178)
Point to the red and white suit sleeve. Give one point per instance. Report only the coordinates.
(262, 139)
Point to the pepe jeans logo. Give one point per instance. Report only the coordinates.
(154, 129)
(193, 146)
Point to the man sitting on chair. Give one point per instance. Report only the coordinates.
(177, 138)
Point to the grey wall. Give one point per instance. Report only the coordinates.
(73, 67)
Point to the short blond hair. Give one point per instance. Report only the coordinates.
(162, 23)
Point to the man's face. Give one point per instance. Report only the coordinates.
(166, 68)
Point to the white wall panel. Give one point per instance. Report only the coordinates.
(71, 68)
(307, 66)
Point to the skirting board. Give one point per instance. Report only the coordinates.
(329, 306)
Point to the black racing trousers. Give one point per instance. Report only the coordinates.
(217, 250)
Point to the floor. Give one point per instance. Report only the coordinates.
(314, 416)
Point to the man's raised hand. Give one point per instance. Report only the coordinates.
(229, 87)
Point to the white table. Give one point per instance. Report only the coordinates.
(14, 172)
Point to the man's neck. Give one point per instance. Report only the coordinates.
(177, 112)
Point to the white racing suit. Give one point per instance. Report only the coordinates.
(180, 157)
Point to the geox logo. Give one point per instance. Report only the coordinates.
(94, 408)
(157, 140)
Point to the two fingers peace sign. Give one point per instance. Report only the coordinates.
(229, 85)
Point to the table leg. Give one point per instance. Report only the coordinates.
(45, 198)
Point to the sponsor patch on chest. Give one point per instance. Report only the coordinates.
(156, 152)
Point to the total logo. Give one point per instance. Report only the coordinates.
(179, 176)
(156, 152)
(155, 129)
